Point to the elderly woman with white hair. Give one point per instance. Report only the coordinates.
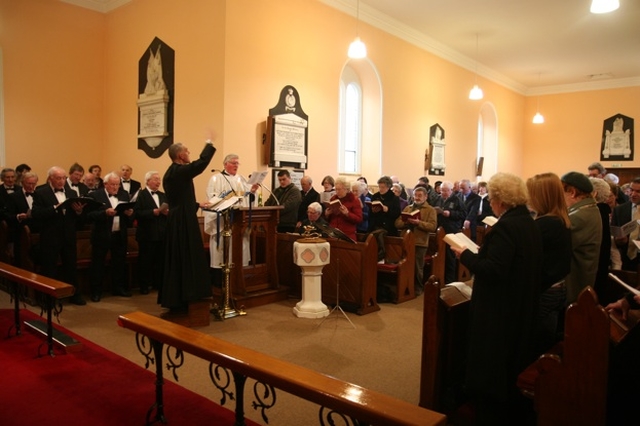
(601, 193)
(504, 304)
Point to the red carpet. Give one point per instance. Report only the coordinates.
(90, 387)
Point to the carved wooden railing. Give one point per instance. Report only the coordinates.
(350, 403)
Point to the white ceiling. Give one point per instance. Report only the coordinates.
(530, 46)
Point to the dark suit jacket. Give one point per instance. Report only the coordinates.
(133, 187)
(102, 224)
(84, 189)
(621, 215)
(506, 290)
(17, 203)
(150, 227)
(57, 234)
(4, 195)
(311, 197)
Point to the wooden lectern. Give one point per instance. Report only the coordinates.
(257, 283)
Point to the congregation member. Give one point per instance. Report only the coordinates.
(596, 170)
(186, 278)
(616, 259)
(288, 196)
(224, 184)
(58, 227)
(309, 195)
(328, 184)
(451, 214)
(503, 305)
(586, 233)
(360, 191)
(314, 216)
(623, 214)
(131, 186)
(546, 200)
(89, 179)
(421, 225)
(19, 207)
(398, 189)
(346, 213)
(151, 210)
(8, 186)
(109, 236)
(364, 180)
(385, 209)
(432, 195)
(484, 206)
(471, 202)
(21, 169)
(97, 172)
(74, 178)
(601, 193)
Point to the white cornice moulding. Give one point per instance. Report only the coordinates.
(102, 6)
(424, 42)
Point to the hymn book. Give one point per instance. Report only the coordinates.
(461, 241)
(410, 215)
(623, 284)
(89, 203)
(490, 220)
(335, 203)
(624, 230)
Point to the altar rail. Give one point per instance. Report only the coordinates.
(334, 396)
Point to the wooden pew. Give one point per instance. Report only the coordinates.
(438, 261)
(352, 267)
(444, 328)
(29, 240)
(571, 387)
(362, 405)
(53, 291)
(398, 271)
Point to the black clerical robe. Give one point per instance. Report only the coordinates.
(186, 274)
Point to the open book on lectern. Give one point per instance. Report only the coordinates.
(219, 205)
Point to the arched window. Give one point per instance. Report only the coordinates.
(351, 123)
(487, 147)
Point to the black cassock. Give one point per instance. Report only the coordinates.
(186, 273)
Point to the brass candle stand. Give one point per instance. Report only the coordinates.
(226, 310)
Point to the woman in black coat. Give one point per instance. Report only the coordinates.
(503, 305)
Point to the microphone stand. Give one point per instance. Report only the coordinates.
(272, 194)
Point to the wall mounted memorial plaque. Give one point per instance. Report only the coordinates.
(434, 158)
(288, 131)
(155, 98)
(617, 138)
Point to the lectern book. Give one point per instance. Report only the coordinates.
(461, 241)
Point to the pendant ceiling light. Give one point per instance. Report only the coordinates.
(357, 49)
(476, 92)
(538, 118)
(604, 6)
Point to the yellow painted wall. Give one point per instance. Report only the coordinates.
(570, 138)
(70, 82)
(53, 67)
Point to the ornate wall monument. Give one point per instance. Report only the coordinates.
(155, 98)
